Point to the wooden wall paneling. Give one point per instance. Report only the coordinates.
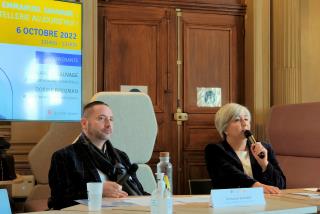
(21, 141)
(194, 168)
(25, 135)
(5, 130)
(101, 49)
(20, 150)
(237, 61)
(198, 137)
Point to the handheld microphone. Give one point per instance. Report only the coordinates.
(122, 179)
(127, 185)
(251, 139)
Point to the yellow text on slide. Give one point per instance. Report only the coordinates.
(44, 23)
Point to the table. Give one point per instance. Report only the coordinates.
(287, 195)
(273, 205)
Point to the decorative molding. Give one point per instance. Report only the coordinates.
(219, 7)
(257, 65)
(286, 52)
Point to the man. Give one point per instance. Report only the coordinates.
(91, 158)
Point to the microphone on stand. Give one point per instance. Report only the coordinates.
(250, 137)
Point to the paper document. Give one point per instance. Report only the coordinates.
(313, 189)
(310, 195)
(191, 199)
(121, 202)
(145, 201)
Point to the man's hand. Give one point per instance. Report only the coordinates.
(114, 190)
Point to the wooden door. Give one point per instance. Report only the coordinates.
(141, 45)
(134, 50)
(212, 58)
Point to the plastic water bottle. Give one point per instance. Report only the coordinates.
(161, 198)
(156, 195)
(165, 167)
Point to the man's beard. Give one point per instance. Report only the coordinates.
(99, 135)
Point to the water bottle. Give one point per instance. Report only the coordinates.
(156, 195)
(165, 167)
(161, 198)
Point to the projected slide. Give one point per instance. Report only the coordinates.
(40, 60)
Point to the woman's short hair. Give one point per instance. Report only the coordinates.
(227, 113)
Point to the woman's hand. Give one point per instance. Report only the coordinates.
(267, 189)
(114, 190)
(256, 149)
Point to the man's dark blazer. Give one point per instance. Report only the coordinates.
(71, 168)
(226, 171)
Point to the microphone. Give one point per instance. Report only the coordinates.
(249, 136)
(122, 179)
(128, 185)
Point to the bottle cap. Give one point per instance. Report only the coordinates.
(164, 154)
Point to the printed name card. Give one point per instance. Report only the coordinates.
(237, 197)
(4, 202)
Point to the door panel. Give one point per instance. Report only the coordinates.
(211, 58)
(135, 52)
(199, 137)
(207, 63)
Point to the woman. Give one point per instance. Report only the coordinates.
(235, 162)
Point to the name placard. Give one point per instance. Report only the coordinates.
(237, 197)
(4, 202)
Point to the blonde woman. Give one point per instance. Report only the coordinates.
(235, 162)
